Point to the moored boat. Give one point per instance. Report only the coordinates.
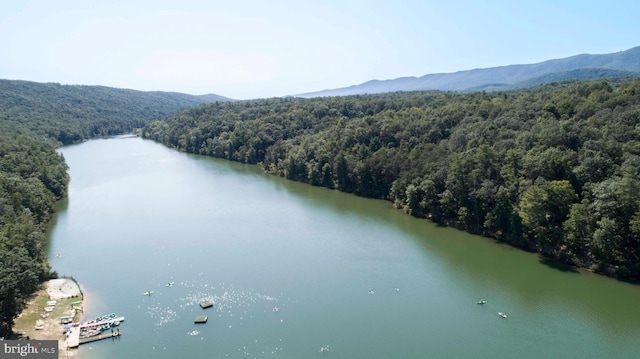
(101, 321)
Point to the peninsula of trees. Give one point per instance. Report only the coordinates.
(552, 169)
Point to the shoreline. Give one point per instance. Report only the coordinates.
(40, 319)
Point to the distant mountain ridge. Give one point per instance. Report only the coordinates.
(585, 66)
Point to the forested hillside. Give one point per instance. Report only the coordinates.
(73, 113)
(32, 177)
(554, 169)
(34, 119)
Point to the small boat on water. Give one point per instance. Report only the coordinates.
(503, 315)
(481, 301)
(170, 284)
(147, 293)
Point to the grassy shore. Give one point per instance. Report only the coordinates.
(51, 327)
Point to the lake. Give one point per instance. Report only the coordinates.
(292, 268)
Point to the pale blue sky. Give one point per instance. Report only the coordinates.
(253, 49)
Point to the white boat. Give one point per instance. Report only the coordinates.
(39, 325)
(170, 284)
(148, 293)
(503, 315)
(98, 322)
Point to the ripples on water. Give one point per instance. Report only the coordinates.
(161, 315)
(181, 301)
(227, 301)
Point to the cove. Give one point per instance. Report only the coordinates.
(292, 268)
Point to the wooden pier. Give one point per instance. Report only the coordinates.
(73, 339)
(99, 337)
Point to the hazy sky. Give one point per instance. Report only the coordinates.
(251, 49)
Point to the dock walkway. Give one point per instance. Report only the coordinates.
(99, 337)
(73, 339)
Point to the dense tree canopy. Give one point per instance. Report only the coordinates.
(32, 177)
(74, 113)
(553, 169)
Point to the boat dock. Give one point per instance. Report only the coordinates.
(73, 339)
(99, 337)
(102, 322)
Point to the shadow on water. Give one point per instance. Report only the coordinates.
(60, 207)
(562, 267)
(475, 260)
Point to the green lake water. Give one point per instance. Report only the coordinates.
(292, 268)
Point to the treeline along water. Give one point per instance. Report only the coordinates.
(292, 268)
(552, 169)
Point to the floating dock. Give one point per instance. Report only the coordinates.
(99, 337)
(206, 304)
